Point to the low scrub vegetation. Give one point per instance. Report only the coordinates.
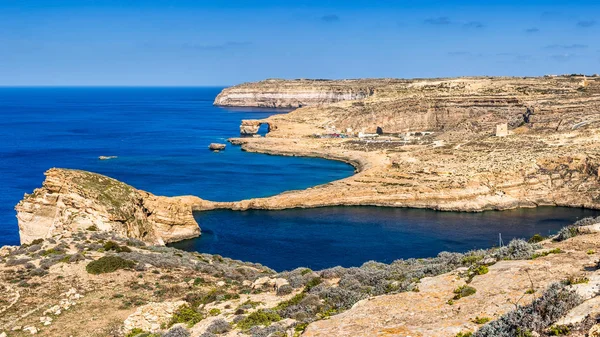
(186, 315)
(536, 317)
(108, 264)
(259, 317)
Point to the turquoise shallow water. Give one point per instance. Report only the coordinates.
(161, 138)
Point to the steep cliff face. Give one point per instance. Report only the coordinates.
(70, 200)
(295, 93)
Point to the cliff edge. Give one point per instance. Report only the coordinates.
(71, 199)
(274, 93)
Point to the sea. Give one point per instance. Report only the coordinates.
(160, 138)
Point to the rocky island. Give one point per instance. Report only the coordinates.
(92, 247)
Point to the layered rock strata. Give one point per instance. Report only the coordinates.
(294, 94)
(70, 200)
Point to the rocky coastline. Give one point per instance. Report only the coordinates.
(93, 247)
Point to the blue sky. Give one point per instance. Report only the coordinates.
(184, 42)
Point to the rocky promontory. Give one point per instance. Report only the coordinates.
(72, 200)
(276, 93)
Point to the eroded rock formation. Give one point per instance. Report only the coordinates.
(294, 94)
(70, 200)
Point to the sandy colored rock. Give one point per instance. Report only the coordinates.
(439, 148)
(427, 313)
(151, 316)
(275, 93)
(217, 147)
(70, 200)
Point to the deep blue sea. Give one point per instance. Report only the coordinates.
(161, 138)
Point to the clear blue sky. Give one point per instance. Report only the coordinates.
(186, 42)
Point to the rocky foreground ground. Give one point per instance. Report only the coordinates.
(95, 283)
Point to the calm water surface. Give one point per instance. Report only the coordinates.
(349, 236)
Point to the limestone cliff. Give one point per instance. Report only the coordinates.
(439, 148)
(70, 200)
(296, 93)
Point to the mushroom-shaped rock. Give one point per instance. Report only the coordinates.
(216, 147)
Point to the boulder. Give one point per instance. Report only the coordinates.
(216, 147)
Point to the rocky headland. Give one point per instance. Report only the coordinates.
(92, 260)
(72, 200)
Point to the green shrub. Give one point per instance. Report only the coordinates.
(554, 303)
(92, 228)
(546, 253)
(214, 312)
(464, 334)
(313, 283)
(292, 301)
(572, 280)
(481, 270)
(464, 291)
(536, 238)
(559, 330)
(481, 320)
(113, 246)
(134, 332)
(186, 315)
(108, 264)
(259, 317)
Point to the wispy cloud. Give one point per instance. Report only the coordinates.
(474, 24)
(439, 21)
(586, 23)
(566, 46)
(532, 30)
(459, 53)
(221, 46)
(516, 56)
(563, 57)
(446, 21)
(330, 18)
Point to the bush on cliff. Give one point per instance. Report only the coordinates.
(108, 264)
(185, 314)
(260, 317)
(556, 301)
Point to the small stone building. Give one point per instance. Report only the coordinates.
(502, 130)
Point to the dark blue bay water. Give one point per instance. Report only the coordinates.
(160, 135)
(349, 236)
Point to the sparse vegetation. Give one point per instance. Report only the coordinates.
(536, 238)
(259, 317)
(572, 280)
(556, 301)
(108, 264)
(559, 330)
(463, 291)
(481, 320)
(186, 315)
(464, 334)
